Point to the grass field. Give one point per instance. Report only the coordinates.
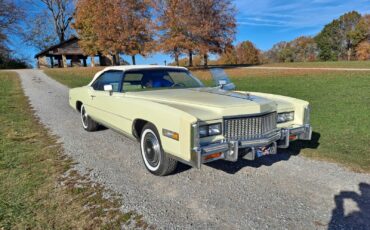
(332, 64)
(340, 106)
(38, 189)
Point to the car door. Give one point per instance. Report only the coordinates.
(105, 105)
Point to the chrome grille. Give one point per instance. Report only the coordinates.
(245, 128)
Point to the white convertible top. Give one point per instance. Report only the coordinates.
(134, 67)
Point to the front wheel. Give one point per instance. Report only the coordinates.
(87, 123)
(155, 159)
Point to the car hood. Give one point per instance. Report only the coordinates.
(209, 103)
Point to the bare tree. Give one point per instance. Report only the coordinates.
(10, 14)
(49, 23)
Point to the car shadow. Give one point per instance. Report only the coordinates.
(283, 155)
(358, 219)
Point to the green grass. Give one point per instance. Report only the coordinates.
(329, 64)
(73, 77)
(340, 107)
(340, 111)
(33, 192)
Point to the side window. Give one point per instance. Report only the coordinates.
(113, 78)
(132, 81)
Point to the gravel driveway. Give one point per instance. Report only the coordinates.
(280, 192)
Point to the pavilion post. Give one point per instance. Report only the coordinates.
(64, 58)
(51, 62)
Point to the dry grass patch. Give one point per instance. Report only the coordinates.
(38, 187)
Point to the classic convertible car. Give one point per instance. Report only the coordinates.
(176, 118)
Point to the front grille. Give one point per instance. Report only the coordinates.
(252, 127)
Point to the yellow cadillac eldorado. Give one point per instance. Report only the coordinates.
(178, 119)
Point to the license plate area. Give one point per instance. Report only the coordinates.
(266, 150)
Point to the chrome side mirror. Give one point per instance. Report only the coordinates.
(108, 88)
(227, 86)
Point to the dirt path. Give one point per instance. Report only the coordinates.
(278, 192)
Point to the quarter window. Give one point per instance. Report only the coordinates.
(113, 78)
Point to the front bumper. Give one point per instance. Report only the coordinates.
(229, 150)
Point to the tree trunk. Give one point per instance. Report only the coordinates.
(92, 61)
(190, 58)
(349, 51)
(133, 60)
(116, 59)
(205, 60)
(177, 59)
(176, 54)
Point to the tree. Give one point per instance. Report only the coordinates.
(304, 49)
(214, 26)
(228, 57)
(85, 17)
(348, 24)
(329, 41)
(337, 39)
(50, 24)
(280, 52)
(174, 27)
(363, 51)
(10, 15)
(362, 30)
(114, 27)
(247, 53)
(137, 27)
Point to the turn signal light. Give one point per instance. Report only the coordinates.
(171, 134)
(212, 156)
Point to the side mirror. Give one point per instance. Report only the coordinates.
(227, 86)
(108, 88)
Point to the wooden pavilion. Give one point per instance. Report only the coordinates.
(67, 54)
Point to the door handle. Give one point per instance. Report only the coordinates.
(92, 96)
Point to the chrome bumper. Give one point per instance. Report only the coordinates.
(230, 150)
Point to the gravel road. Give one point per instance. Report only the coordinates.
(280, 192)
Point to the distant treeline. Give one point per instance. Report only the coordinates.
(345, 38)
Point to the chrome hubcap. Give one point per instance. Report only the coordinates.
(152, 149)
(84, 116)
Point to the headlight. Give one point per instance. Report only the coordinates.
(210, 130)
(284, 117)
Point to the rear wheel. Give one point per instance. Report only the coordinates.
(155, 159)
(87, 123)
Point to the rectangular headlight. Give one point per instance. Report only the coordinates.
(210, 130)
(285, 117)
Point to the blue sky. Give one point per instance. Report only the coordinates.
(266, 22)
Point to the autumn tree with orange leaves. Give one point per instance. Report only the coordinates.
(214, 26)
(190, 27)
(115, 27)
(175, 27)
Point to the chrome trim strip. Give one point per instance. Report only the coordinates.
(248, 115)
(216, 148)
(260, 142)
(195, 151)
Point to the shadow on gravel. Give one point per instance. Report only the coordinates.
(283, 155)
(358, 219)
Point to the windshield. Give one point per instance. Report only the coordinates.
(154, 79)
